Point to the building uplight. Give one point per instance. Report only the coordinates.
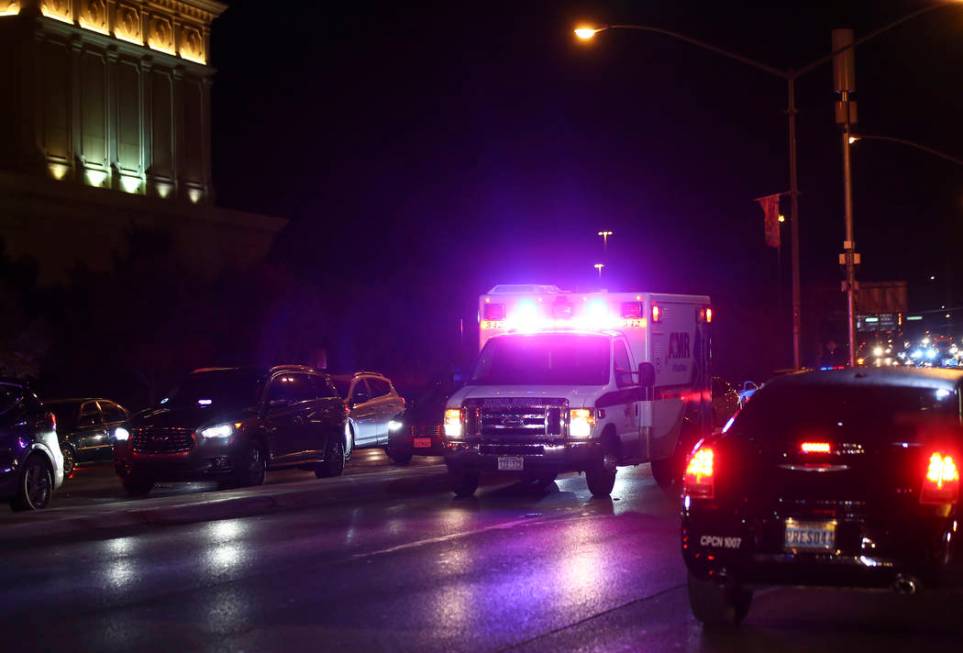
(195, 195)
(57, 11)
(193, 56)
(100, 27)
(130, 184)
(10, 8)
(161, 46)
(585, 32)
(95, 177)
(58, 170)
(164, 189)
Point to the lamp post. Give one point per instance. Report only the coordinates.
(599, 267)
(587, 33)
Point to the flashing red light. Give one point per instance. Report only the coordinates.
(699, 481)
(942, 481)
(656, 313)
(816, 447)
(632, 310)
(708, 315)
(494, 312)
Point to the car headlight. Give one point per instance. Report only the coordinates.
(581, 421)
(453, 425)
(121, 434)
(218, 431)
(395, 425)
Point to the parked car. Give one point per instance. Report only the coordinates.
(233, 424)
(86, 429)
(31, 465)
(374, 408)
(422, 431)
(861, 492)
(725, 401)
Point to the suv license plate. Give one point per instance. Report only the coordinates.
(810, 536)
(511, 463)
(422, 443)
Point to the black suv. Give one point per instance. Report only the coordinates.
(31, 466)
(86, 429)
(230, 425)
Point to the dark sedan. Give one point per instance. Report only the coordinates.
(420, 430)
(86, 429)
(846, 478)
(231, 425)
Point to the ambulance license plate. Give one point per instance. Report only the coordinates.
(810, 536)
(511, 463)
(421, 443)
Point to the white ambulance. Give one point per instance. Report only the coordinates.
(584, 382)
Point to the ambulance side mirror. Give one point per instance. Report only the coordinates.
(647, 381)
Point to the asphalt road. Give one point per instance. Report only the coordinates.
(404, 566)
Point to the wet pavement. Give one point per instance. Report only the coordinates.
(398, 564)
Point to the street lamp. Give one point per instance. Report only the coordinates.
(586, 33)
(605, 240)
(599, 267)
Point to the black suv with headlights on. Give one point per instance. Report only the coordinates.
(230, 425)
(846, 478)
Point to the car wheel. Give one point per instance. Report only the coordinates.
(664, 472)
(36, 486)
(70, 459)
(137, 486)
(398, 456)
(255, 467)
(333, 464)
(718, 605)
(600, 477)
(463, 483)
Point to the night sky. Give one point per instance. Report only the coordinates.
(431, 151)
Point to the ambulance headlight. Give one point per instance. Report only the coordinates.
(453, 423)
(581, 421)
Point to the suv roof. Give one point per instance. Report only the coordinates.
(265, 370)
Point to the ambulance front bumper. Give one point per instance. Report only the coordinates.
(559, 456)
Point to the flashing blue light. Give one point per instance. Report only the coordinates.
(916, 353)
(729, 424)
(931, 353)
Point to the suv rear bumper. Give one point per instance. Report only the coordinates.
(558, 456)
(872, 554)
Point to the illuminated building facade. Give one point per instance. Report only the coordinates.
(105, 126)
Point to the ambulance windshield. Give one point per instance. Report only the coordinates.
(544, 359)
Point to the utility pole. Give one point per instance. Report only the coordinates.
(844, 78)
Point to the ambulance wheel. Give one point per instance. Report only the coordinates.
(463, 483)
(718, 605)
(600, 479)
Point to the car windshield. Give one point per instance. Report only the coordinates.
(862, 414)
(231, 389)
(9, 398)
(547, 359)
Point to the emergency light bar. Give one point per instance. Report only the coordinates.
(530, 315)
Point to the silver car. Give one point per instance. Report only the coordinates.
(374, 408)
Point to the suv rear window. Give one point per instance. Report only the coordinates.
(859, 413)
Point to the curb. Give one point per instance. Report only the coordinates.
(116, 516)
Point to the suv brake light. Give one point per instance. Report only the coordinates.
(942, 481)
(816, 447)
(699, 481)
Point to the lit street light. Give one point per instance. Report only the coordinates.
(599, 267)
(605, 240)
(586, 33)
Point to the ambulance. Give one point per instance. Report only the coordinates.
(581, 382)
